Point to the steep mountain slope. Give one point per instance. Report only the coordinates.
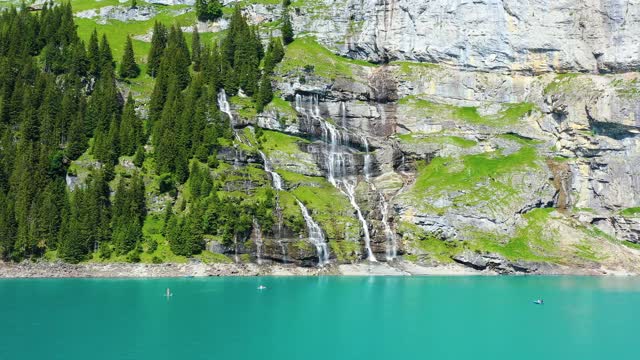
(499, 134)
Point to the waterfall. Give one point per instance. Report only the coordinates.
(223, 104)
(367, 159)
(350, 191)
(337, 161)
(225, 107)
(384, 205)
(392, 244)
(258, 239)
(235, 247)
(276, 179)
(316, 236)
(283, 249)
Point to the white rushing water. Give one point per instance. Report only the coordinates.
(316, 236)
(392, 244)
(276, 179)
(337, 161)
(223, 104)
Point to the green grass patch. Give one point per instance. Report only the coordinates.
(345, 251)
(82, 5)
(244, 106)
(479, 177)
(209, 257)
(328, 207)
(584, 251)
(628, 89)
(509, 114)
(631, 212)
(631, 245)
(283, 110)
(116, 31)
(306, 51)
(51, 256)
(302, 246)
(422, 138)
(533, 242)
(560, 83)
(425, 243)
(277, 141)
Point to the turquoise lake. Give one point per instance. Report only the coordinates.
(321, 318)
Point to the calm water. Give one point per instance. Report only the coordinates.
(321, 318)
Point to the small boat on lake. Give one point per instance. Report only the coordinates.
(262, 287)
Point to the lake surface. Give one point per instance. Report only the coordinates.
(321, 318)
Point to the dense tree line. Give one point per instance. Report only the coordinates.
(60, 99)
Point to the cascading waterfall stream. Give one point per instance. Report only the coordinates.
(391, 246)
(223, 105)
(316, 236)
(337, 163)
(276, 181)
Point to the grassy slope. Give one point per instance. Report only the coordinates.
(306, 51)
(510, 114)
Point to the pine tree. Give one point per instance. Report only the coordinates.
(7, 226)
(275, 54)
(158, 44)
(106, 57)
(138, 157)
(265, 95)
(287, 28)
(128, 66)
(130, 136)
(77, 141)
(179, 58)
(196, 50)
(208, 10)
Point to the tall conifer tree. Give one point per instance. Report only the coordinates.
(128, 67)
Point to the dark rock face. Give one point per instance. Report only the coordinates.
(497, 263)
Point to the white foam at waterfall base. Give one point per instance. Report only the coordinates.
(316, 236)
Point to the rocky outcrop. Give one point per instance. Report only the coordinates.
(499, 264)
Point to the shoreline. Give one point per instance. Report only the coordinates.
(44, 270)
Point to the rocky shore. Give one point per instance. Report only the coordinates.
(43, 269)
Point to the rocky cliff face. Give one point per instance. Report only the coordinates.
(498, 134)
(509, 36)
(496, 127)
